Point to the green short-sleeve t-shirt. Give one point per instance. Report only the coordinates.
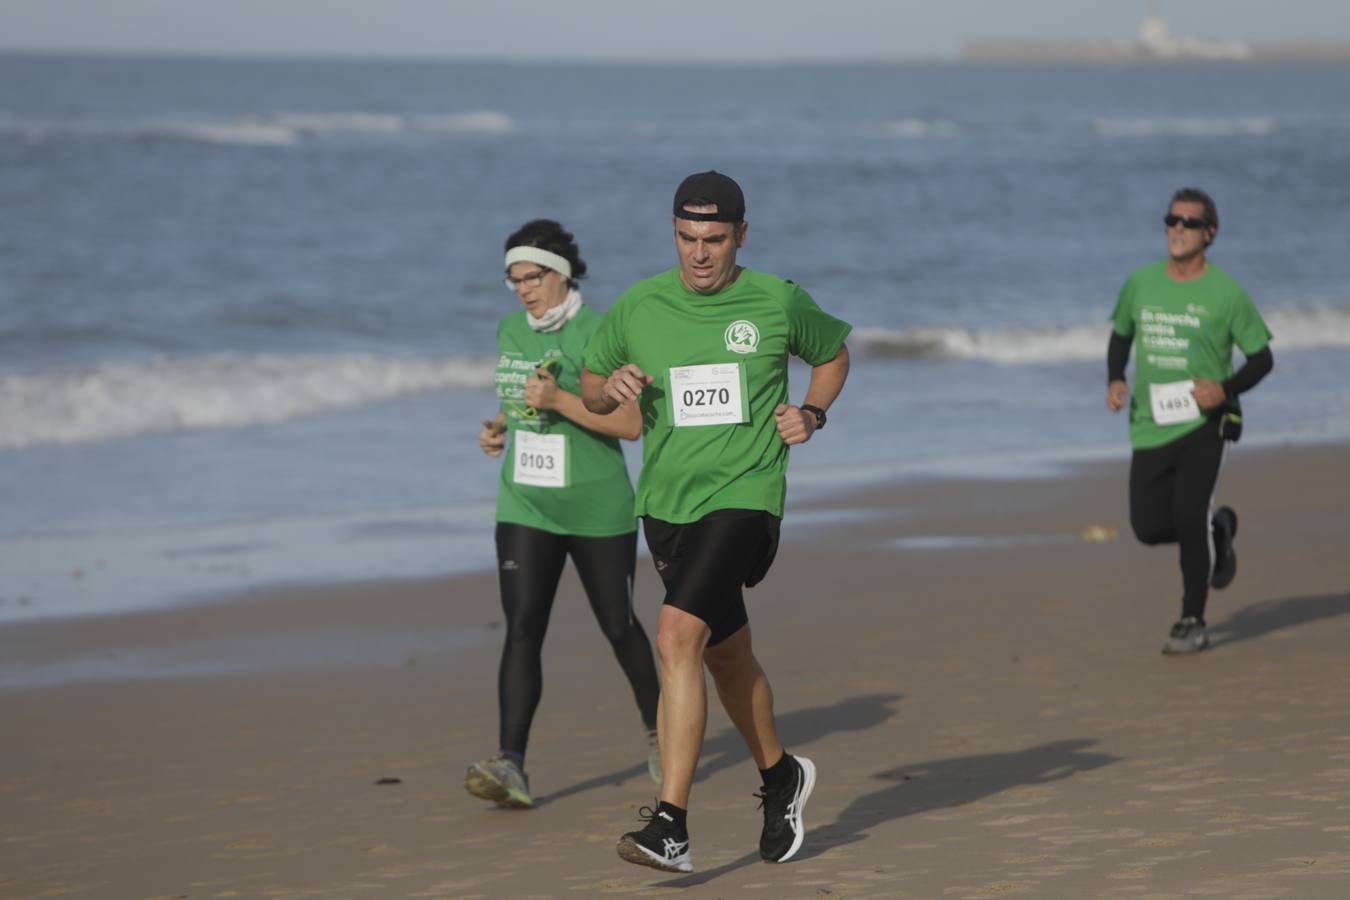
(730, 354)
(596, 497)
(1182, 330)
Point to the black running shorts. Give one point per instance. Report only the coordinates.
(704, 564)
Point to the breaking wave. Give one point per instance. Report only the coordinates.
(919, 128)
(117, 400)
(282, 129)
(1252, 126)
(1294, 328)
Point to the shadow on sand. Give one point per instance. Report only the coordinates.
(922, 786)
(1262, 618)
(799, 728)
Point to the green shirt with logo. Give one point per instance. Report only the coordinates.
(1182, 330)
(739, 341)
(596, 499)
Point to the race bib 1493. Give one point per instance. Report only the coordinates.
(1173, 403)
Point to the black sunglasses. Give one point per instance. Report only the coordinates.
(1172, 221)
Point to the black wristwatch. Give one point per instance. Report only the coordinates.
(815, 411)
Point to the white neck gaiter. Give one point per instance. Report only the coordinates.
(554, 319)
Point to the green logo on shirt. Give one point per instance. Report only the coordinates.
(742, 337)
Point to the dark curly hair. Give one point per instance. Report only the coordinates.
(1195, 195)
(547, 234)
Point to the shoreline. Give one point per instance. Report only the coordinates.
(331, 624)
(107, 573)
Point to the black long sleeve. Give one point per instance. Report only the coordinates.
(1117, 355)
(1256, 367)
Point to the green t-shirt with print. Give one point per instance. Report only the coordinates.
(1182, 330)
(584, 490)
(730, 354)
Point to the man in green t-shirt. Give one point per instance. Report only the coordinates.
(703, 348)
(1186, 315)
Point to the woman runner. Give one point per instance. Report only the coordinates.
(564, 491)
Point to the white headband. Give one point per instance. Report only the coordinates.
(541, 256)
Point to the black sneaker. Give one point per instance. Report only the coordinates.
(1187, 636)
(1224, 524)
(783, 826)
(661, 844)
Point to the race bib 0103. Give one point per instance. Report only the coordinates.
(1172, 402)
(708, 395)
(540, 459)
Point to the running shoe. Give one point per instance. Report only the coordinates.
(1225, 557)
(500, 780)
(1188, 636)
(783, 825)
(660, 844)
(654, 757)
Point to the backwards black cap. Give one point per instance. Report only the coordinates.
(710, 188)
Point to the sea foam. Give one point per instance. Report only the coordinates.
(1251, 126)
(280, 129)
(116, 400)
(1294, 328)
(919, 128)
(122, 399)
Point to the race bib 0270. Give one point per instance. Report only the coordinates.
(708, 395)
(540, 460)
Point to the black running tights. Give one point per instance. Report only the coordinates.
(1171, 490)
(529, 564)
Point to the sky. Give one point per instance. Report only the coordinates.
(626, 30)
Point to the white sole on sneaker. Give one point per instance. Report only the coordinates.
(633, 852)
(799, 805)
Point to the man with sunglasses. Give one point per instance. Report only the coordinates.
(703, 349)
(1186, 315)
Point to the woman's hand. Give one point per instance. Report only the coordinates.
(492, 439)
(541, 391)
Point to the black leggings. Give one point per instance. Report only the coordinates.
(529, 564)
(1171, 490)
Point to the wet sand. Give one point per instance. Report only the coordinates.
(980, 687)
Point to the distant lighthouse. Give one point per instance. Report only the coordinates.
(1156, 40)
(1154, 34)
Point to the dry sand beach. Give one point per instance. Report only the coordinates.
(981, 690)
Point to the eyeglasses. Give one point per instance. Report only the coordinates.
(534, 279)
(1188, 222)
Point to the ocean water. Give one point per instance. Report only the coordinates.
(247, 308)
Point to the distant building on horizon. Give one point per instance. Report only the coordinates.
(1155, 43)
(1156, 40)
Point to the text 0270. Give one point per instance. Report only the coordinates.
(706, 396)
